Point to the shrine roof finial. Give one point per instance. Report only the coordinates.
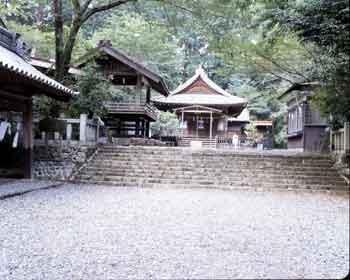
(200, 70)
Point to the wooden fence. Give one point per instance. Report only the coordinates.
(340, 139)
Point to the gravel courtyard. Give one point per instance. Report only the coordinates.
(95, 232)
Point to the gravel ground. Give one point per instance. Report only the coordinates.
(95, 232)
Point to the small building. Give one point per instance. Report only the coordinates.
(264, 131)
(205, 109)
(306, 128)
(19, 82)
(132, 118)
(236, 125)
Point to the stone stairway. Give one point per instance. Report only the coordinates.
(186, 168)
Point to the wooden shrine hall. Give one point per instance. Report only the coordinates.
(203, 107)
(132, 118)
(19, 82)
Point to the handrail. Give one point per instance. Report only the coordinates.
(132, 107)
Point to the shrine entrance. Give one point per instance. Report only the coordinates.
(200, 121)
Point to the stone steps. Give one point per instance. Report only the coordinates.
(210, 171)
(186, 168)
(212, 158)
(196, 158)
(212, 181)
(205, 152)
(198, 175)
(262, 186)
(217, 170)
(222, 166)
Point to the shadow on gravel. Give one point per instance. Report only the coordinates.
(23, 192)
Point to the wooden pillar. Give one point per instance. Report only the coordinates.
(139, 87)
(97, 130)
(183, 122)
(211, 125)
(28, 139)
(137, 127)
(148, 95)
(148, 131)
(144, 128)
(120, 125)
(347, 136)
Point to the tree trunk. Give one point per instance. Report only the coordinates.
(69, 46)
(64, 49)
(59, 40)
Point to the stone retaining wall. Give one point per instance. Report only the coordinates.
(59, 162)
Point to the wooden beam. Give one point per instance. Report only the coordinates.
(28, 139)
(7, 94)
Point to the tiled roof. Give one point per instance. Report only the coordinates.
(200, 73)
(19, 66)
(220, 98)
(106, 47)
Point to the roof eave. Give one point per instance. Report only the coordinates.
(109, 50)
(61, 94)
(299, 87)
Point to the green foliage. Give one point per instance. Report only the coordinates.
(10, 8)
(253, 48)
(324, 26)
(166, 125)
(94, 91)
(147, 41)
(42, 43)
(279, 132)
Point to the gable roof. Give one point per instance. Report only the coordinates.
(182, 96)
(105, 47)
(300, 87)
(200, 75)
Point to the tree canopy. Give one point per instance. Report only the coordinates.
(253, 48)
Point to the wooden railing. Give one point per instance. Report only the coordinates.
(129, 108)
(340, 139)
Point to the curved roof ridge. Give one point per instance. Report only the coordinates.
(200, 73)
